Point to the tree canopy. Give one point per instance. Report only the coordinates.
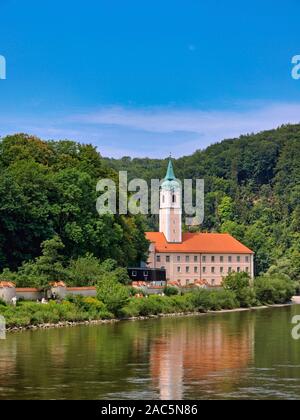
(47, 191)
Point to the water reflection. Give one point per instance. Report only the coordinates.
(236, 355)
(191, 355)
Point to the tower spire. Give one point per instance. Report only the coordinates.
(170, 176)
(170, 207)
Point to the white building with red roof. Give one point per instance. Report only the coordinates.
(190, 258)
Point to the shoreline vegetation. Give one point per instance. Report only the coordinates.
(66, 324)
(116, 302)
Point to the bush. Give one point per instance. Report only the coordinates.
(31, 313)
(222, 299)
(171, 291)
(239, 283)
(2, 302)
(133, 291)
(274, 290)
(205, 300)
(113, 294)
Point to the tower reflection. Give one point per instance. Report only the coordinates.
(213, 351)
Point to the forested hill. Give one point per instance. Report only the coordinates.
(48, 193)
(252, 191)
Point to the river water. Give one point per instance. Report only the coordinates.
(237, 355)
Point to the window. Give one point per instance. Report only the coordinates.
(195, 269)
(213, 282)
(221, 259)
(212, 259)
(195, 258)
(204, 269)
(239, 269)
(158, 258)
(178, 269)
(168, 258)
(221, 270)
(187, 282)
(212, 269)
(204, 258)
(247, 259)
(230, 259)
(187, 259)
(134, 274)
(229, 269)
(187, 269)
(174, 198)
(247, 269)
(178, 258)
(238, 259)
(146, 273)
(162, 268)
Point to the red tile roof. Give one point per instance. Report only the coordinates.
(201, 282)
(8, 284)
(58, 284)
(206, 243)
(173, 283)
(138, 283)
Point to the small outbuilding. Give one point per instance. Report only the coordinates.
(7, 291)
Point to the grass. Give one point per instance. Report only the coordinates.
(78, 308)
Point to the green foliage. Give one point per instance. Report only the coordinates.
(226, 209)
(196, 301)
(46, 268)
(171, 291)
(270, 290)
(113, 294)
(116, 300)
(121, 275)
(204, 300)
(239, 283)
(49, 189)
(286, 267)
(134, 291)
(2, 302)
(84, 271)
(31, 313)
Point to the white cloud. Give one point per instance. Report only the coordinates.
(157, 131)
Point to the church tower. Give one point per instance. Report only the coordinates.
(170, 213)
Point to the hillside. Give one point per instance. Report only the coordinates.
(252, 188)
(48, 190)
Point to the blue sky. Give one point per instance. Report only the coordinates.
(148, 78)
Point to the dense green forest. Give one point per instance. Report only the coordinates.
(48, 205)
(48, 197)
(252, 191)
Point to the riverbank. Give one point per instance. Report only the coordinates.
(69, 324)
(116, 304)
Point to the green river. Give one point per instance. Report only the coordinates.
(236, 355)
